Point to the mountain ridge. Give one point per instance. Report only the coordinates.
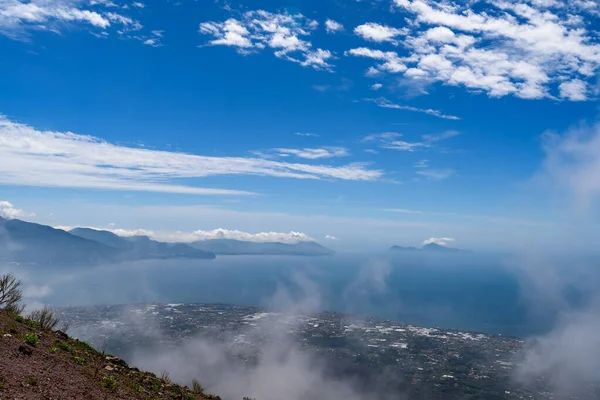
(28, 242)
(240, 247)
(142, 247)
(428, 248)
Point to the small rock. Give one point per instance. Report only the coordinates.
(62, 335)
(116, 360)
(26, 349)
(7, 335)
(109, 368)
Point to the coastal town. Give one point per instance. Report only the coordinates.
(413, 361)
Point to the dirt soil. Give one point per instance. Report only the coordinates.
(53, 366)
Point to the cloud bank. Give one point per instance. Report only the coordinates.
(569, 355)
(263, 359)
(219, 233)
(572, 162)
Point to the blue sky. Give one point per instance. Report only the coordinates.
(371, 122)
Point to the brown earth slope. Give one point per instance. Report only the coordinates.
(37, 364)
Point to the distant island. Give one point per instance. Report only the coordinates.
(27, 242)
(428, 248)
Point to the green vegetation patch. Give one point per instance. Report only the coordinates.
(64, 346)
(109, 383)
(32, 339)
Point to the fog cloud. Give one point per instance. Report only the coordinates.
(273, 365)
(569, 355)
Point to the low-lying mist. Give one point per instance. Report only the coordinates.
(277, 368)
(554, 304)
(568, 355)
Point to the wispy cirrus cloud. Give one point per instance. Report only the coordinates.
(385, 103)
(392, 141)
(421, 164)
(307, 134)
(436, 174)
(155, 39)
(35, 157)
(314, 153)
(432, 138)
(285, 34)
(488, 218)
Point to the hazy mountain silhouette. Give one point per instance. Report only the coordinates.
(141, 247)
(28, 242)
(238, 247)
(22, 241)
(429, 248)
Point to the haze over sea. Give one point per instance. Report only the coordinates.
(474, 292)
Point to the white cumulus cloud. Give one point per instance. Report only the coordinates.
(8, 211)
(575, 90)
(529, 49)
(18, 17)
(259, 237)
(332, 26)
(378, 33)
(285, 34)
(219, 233)
(439, 241)
(392, 63)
